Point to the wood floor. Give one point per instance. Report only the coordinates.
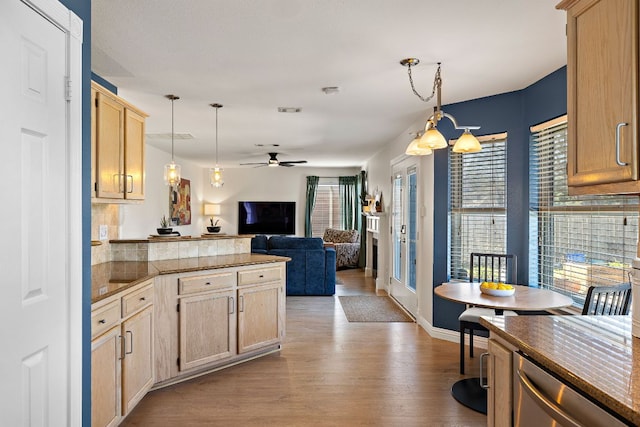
(329, 373)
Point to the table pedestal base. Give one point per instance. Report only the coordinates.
(470, 394)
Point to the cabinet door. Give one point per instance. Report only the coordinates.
(499, 395)
(207, 328)
(109, 147)
(137, 364)
(105, 379)
(602, 74)
(260, 311)
(134, 155)
(94, 107)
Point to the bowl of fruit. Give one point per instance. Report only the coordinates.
(497, 289)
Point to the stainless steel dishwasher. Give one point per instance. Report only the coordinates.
(540, 400)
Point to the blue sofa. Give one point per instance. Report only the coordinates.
(312, 269)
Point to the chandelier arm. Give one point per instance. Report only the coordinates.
(455, 123)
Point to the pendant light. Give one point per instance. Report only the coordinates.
(432, 139)
(215, 174)
(172, 170)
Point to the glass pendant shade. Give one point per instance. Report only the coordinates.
(215, 176)
(467, 143)
(172, 174)
(432, 139)
(414, 149)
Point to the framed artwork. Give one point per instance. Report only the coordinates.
(180, 203)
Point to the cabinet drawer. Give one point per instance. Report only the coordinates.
(137, 300)
(104, 318)
(262, 275)
(192, 285)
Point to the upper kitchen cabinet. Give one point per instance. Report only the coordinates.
(602, 97)
(117, 133)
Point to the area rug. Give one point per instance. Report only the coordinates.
(366, 308)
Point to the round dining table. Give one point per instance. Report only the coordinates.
(468, 391)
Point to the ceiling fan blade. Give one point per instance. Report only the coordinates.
(251, 164)
(291, 162)
(285, 165)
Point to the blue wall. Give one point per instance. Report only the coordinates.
(82, 8)
(514, 113)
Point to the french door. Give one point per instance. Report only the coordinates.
(404, 234)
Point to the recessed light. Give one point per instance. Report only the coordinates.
(289, 109)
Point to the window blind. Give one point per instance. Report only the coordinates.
(477, 204)
(326, 213)
(575, 241)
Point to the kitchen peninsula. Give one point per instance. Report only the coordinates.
(595, 355)
(179, 308)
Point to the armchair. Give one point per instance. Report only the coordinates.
(347, 245)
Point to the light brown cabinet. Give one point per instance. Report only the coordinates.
(121, 354)
(260, 316)
(117, 131)
(602, 96)
(500, 391)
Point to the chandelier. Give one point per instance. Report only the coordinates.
(431, 139)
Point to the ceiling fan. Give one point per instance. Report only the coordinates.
(273, 162)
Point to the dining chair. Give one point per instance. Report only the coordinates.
(485, 268)
(608, 300)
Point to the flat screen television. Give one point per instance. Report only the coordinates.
(266, 217)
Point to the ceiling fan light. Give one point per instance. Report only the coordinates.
(432, 139)
(413, 149)
(273, 163)
(215, 177)
(467, 143)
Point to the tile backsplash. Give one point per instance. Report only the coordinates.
(103, 214)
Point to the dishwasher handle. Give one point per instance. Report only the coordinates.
(547, 405)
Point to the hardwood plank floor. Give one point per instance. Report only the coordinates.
(329, 373)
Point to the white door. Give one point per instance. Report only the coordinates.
(404, 234)
(40, 258)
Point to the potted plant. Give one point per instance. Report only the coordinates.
(215, 228)
(164, 226)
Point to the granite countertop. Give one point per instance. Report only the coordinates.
(596, 354)
(110, 278)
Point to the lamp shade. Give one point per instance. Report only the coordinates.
(414, 149)
(211, 209)
(172, 174)
(215, 177)
(467, 143)
(432, 139)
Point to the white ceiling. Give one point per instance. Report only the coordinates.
(254, 56)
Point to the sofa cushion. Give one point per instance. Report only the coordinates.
(283, 242)
(259, 244)
(341, 236)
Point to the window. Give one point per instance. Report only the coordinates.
(575, 241)
(326, 213)
(477, 203)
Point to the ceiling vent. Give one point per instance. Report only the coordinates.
(289, 109)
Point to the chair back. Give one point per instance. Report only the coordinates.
(493, 268)
(608, 300)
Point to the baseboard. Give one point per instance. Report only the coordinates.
(449, 335)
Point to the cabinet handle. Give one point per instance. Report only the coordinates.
(143, 299)
(127, 179)
(241, 301)
(232, 305)
(102, 321)
(618, 161)
(483, 385)
(131, 343)
(207, 283)
(261, 276)
(122, 349)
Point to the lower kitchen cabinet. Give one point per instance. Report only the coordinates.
(137, 363)
(500, 391)
(207, 328)
(260, 309)
(105, 379)
(122, 361)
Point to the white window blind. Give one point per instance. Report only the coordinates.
(326, 213)
(575, 241)
(477, 204)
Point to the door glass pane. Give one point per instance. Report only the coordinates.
(412, 234)
(397, 226)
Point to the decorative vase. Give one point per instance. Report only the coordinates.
(214, 229)
(165, 230)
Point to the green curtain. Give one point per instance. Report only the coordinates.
(312, 189)
(349, 196)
